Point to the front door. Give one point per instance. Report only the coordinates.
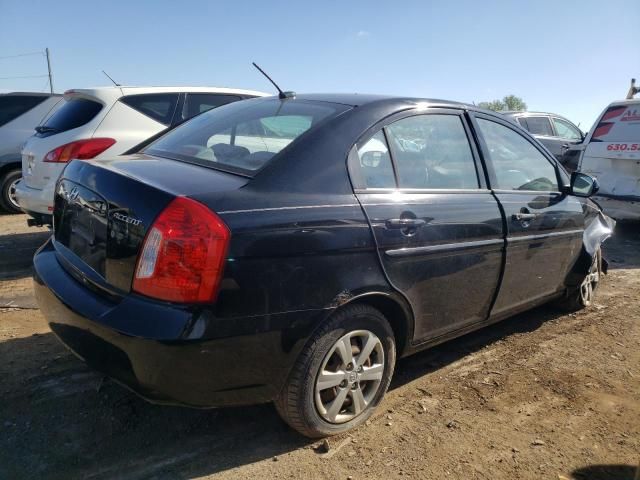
(544, 225)
(438, 229)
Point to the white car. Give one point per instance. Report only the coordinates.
(103, 122)
(20, 114)
(611, 153)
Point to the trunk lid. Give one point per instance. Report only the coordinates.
(103, 210)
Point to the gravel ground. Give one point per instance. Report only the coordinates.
(541, 395)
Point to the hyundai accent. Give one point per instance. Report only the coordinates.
(292, 249)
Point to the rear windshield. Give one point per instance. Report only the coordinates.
(242, 136)
(12, 106)
(73, 114)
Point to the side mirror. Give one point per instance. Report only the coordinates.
(583, 185)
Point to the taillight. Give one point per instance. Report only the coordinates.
(183, 254)
(81, 150)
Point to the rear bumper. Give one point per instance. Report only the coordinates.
(165, 353)
(33, 201)
(619, 207)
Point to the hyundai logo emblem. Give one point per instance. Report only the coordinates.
(73, 194)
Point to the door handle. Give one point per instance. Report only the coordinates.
(523, 217)
(404, 223)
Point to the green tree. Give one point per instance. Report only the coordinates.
(514, 103)
(510, 102)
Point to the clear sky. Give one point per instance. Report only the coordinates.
(568, 57)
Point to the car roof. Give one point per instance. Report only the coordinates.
(621, 103)
(361, 99)
(520, 113)
(114, 92)
(31, 94)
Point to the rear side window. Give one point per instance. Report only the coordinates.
(432, 152)
(539, 126)
(12, 106)
(196, 103)
(376, 170)
(73, 114)
(158, 106)
(242, 136)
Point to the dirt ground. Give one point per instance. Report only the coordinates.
(541, 395)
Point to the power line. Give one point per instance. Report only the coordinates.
(21, 55)
(23, 76)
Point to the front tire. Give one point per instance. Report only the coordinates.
(8, 191)
(341, 375)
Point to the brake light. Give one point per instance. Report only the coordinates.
(182, 258)
(81, 150)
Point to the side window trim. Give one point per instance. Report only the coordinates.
(487, 158)
(481, 172)
(392, 155)
(176, 119)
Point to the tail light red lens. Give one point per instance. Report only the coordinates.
(183, 255)
(81, 150)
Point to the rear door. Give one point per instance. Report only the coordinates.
(544, 225)
(438, 229)
(540, 126)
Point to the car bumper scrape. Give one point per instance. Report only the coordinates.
(174, 361)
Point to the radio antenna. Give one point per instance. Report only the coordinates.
(112, 80)
(282, 95)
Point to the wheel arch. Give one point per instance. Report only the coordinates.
(394, 308)
(9, 166)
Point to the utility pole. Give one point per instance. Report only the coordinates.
(49, 68)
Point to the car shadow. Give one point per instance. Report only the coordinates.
(607, 472)
(16, 253)
(103, 430)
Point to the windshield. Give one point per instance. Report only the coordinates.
(242, 136)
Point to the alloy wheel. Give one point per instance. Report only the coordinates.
(349, 377)
(12, 193)
(590, 283)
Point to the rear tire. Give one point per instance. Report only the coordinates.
(331, 390)
(583, 296)
(8, 183)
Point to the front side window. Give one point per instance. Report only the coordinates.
(517, 164)
(432, 152)
(159, 106)
(242, 136)
(566, 130)
(539, 126)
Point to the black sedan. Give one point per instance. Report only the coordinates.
(290, 250)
